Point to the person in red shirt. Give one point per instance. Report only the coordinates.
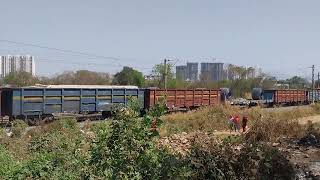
(237, 122)
(244, 123)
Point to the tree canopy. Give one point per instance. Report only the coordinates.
(129, 76)
(20, 79)
(82, 77)
(158, 74)
(295, 82)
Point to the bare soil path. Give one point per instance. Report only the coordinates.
(314, 119)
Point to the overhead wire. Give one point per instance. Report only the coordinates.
(79, 63)
(61, 50)
(85, 63)
(115, 59)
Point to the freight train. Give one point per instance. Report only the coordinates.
(272, 97)
(41, 104)
(38, 104)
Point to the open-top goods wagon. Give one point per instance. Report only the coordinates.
(315, 95)
(36, 103)
(177, 99)
(280, 96)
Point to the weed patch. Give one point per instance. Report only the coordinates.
(204, 119)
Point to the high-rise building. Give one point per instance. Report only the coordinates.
(218, 72)
(181, 72)
(212, 72)
(16, 63)
(192, 71)
(206, 73)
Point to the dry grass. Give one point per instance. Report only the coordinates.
(204, 119)
(271, 128)
(277, 124)
(264, 124)
(316, 107)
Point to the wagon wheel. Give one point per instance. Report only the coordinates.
(48, 119)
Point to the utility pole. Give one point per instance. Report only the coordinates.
(318, 82)
(165, 74)
(312, 83)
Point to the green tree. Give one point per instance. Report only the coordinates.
(129, 76)
(158, 74)
(66, 77)
(20, 79)
(296, 82)
(82, 77)
(85, 77)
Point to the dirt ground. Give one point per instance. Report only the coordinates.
(304, 153)
(314, 119)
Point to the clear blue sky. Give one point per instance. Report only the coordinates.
(281, 36)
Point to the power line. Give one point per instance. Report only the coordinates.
(115, 59)
(61, 50)
(77, 63)
(73, 62)
(88, 63)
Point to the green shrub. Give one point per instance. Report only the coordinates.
(18, 127)
(57, 151)
(8, 164)
(48, 166)
(261, 161)
(253, 161)
(274, 165)
(215, 163)
(125, 148)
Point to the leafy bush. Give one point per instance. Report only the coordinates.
(49, 166)
(224, 161)
(18, 127)
(212, 163)
(126, 150)
(274, 165)
(57, 151)
(7, 162)
(261, 161)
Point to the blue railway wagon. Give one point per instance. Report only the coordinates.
(268, 96)
(316, 94)
(36, 101)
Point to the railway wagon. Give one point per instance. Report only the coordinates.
(38, 103)
(278, 97)
(315, 94)
(182, 99)
(291, 96)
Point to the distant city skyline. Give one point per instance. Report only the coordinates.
(281, 37)
(213, 71)
(15, 63)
